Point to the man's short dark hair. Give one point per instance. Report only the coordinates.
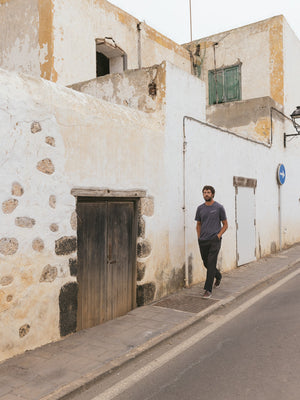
(211, 188)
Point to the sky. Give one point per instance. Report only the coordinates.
(172, 17)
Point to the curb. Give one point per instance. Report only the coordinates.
(76, 386)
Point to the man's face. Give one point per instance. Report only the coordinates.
(207, 195)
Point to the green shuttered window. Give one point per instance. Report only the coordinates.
(224, 84)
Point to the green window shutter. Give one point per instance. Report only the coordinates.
(216, 86)
(232, 83)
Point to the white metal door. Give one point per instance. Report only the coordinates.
(245, 221)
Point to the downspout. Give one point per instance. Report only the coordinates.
(186, 261)
(139, 44)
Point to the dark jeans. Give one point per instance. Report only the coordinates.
(209, 250)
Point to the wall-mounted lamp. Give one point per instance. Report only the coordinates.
(295, 115)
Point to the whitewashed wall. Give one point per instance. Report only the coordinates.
(213, 158)
(291, 69)
(84, 142)
(54, 139)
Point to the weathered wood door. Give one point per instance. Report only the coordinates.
(106, 260)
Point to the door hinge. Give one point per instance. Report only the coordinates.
(254, 221)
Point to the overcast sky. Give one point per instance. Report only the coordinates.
(171, 17)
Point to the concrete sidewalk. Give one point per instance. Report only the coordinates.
(52, 371)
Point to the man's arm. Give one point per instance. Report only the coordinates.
(198, 228)
(223, 229)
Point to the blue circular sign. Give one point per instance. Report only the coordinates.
(281, 174)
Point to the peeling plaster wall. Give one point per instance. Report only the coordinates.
(78, 23)
(130, 88)
(243, 45)
(55, 139)
(184, 96)
(55, 39)
(249, 118)
(19, 36)
(259, 48)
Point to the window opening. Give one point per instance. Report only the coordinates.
(110, 58)
(224, 84)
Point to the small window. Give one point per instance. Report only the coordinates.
(110, 58)
(224, 84)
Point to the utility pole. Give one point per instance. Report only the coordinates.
(191, 30)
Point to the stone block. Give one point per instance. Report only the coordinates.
(24, 330)
(25, 222)
(141, 268)
(46, 166)
(38, 244)
(65, 245)
(8, 206)
(50, 140)
(49, 274)
(8, 246)
(17, 189)
(147, 206)
(143, 249)
(68, 308)
(73, 221)
(73, 266)
(6, 280)
(36, 127)
(53, 227)
(52, 201)
(141, 227)
(145, 294)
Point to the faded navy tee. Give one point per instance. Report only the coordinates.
(210, 218)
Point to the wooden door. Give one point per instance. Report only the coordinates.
(106, 260)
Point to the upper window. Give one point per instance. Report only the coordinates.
(110, 58)
(224, 84)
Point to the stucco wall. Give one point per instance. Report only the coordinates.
(55, 39)
(19, 36)
(131, 88)
(224, 156)
(54, 139)
(259, 49)
(76, 27)
(291, 69)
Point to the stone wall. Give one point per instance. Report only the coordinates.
(54, 139)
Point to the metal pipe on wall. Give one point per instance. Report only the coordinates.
(139, 45)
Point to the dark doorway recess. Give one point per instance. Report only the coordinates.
(107, 234)
(102, 64)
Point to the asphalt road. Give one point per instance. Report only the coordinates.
(245, 351)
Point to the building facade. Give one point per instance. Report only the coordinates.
(101, 179)
(72, 41)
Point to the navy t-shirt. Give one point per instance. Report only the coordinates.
(210, 218)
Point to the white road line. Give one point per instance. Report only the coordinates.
(126, 383)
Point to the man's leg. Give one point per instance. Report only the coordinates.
(214, 248)
(204, 250)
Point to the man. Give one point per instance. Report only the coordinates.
(209, 217)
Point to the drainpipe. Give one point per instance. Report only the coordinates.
(186, 260)
(139, 49)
